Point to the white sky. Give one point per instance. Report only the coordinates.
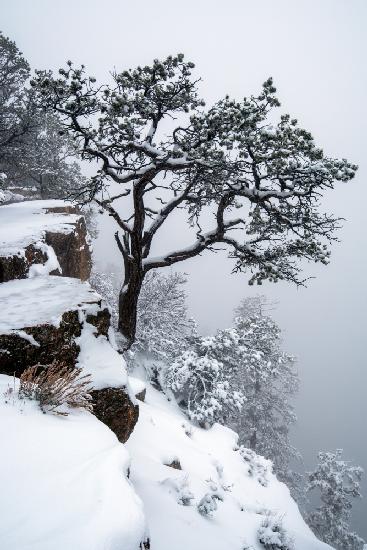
(316, 52)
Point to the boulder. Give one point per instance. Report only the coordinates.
(114, 407)
(138, 388)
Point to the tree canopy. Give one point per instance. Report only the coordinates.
(150, 132)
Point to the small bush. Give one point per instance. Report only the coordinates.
(55, 386)
(272, 534)
(259, 467)
(208, 504)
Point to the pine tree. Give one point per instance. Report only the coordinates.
(261, 180)
(256, 366)
(338, 483)
(36, 155)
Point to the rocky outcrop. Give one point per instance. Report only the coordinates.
(45, 343)
(113, 407)
(64, 231)
(42, 317)
(47, 318)
(16, 266)
(72, 251)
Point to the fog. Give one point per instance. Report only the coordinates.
(316, 53)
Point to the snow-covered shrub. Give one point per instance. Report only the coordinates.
(259, 467)
(272, 535)
(338, 483)
(163, 324)
(200, 388)
(209, 503)
(7, 197)
(56, 386)
(181, 489)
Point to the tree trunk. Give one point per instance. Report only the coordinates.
(128, 304)
(253, 438)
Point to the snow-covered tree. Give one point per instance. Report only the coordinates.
(256, 366)
(163, 324)
(197, 380)
(46, 160)
(16, 106)
(255, 363)
(338, 483)
(151, 136)
(35, 153)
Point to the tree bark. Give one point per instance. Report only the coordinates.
(128, 304)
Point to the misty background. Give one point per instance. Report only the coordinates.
(316, 52)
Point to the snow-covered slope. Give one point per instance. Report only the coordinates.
(62, 482)
(210, 465)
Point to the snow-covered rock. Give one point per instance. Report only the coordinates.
(63, 482)
(48, 319)
(41, 237)
(41, 319)
(213, 472)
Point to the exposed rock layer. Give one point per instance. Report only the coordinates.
(17, 266)
(71, 249)
(17, 353)
(113, 407)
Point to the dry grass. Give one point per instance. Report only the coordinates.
(55, 386)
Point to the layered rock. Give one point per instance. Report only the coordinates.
(114, 407)
(43, 232)
(41, 319)
(46, 318)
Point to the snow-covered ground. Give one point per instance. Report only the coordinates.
(63, 483)
(41, 300)
(210, 465)
(64, 486)
(63, 480)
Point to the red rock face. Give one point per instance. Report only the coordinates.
(71, 249)
(113, 407)
(17, 353)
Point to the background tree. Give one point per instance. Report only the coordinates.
(35, 152)
(150, 134)
(45, 162)
(338, 483)
(163, 326)
(16, 107)
(256, 366)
